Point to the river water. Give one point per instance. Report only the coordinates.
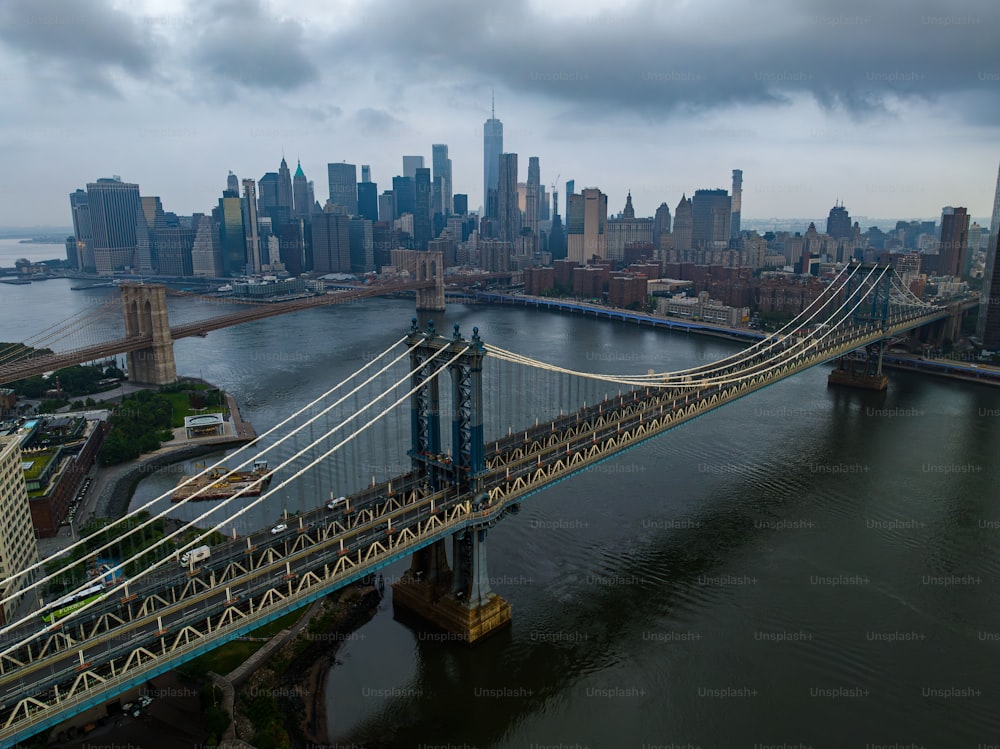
(806, 566)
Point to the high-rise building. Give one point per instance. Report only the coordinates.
(441, 196)
(737, 204)
(570, 190)
(302, 201)
(285, 186)
(838, 223)
(18, 548)
(344, 186)
(988, 324)
(954, 241)
(627, 229)
(683, 225)
(461, 204)
(174, 251)
(292, 246)
(368, 200)
(232, 183)
(711, 213)
(366, 173)
(83, 234)
(206, 254)
(422, 209)
(404, 196)
(410, 166)
(492, 148)
(331, 240)
(387, 206)
(586, 225)
(532, 195)
(114, 210)
(254, 258)
(267, 193)
(508, 212)
(661, 222)
(232, 234)
(362, 245)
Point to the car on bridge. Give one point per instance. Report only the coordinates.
(279, 528)
(334, 503)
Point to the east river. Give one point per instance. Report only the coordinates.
(807, 566)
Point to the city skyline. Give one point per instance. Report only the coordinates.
(869, 129)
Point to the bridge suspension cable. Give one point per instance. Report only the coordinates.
(82, 541)
(123, 585)
(681, 380)
(57, 332)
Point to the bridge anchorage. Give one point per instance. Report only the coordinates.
(460, 600)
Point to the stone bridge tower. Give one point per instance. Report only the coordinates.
(145, 309)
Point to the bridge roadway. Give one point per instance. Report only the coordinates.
(177, 615)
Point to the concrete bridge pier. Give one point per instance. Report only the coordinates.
(145, 309)
(459, 602)
(865, 374)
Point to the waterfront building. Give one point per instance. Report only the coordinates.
(206, 252)
(586, 225)
(83, 234)
(331, 241)
(253, 253)
(492, 148)
(114, 210)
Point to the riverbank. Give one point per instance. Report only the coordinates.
(287, 678)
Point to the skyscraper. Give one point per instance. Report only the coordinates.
(508, 213)
(585, 226)
(302, 205)
(683, 224)
(366, 173)
(532, 195)
(737, 204)
(422, 209)
(362, 245)
(492, 148)
(461, 204)
(254, 259)
(331, 240)
(711, 213)
(232, 183)
(404, 196)
(267, 193)
(387, 206)
(82, 232)
(442, 178)
(838, 223)
(954, 241)
(344, 186)
(411, 164)
(285, 186)
(368, 199)
(115, 207)
(206, 254)
(988, 324)
(661, 222)
(232, 235)
(570, 190)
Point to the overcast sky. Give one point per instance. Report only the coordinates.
(894, 110)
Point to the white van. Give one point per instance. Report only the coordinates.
(195, 555)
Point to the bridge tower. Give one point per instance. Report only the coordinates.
(456, 599)
(145, 309)
(873, 312)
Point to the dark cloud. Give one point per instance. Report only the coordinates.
(89, 44)
(652, 58)
(377, 122)
(239, 42)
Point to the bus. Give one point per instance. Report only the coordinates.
(68, 604)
